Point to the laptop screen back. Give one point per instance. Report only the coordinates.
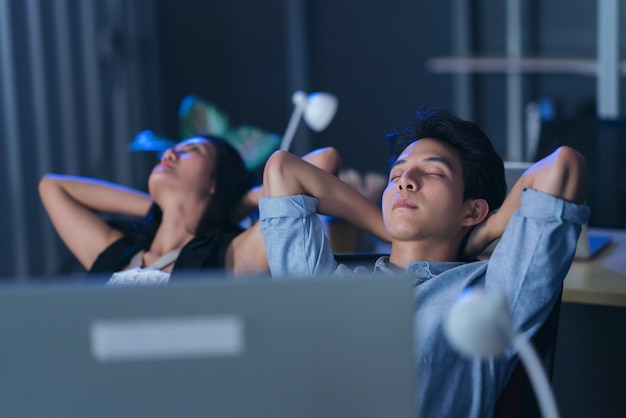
(261, 348)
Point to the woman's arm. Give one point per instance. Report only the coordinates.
(73, 204)
(561, 174)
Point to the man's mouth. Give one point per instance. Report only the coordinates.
(404, 203)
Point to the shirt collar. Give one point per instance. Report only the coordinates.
(420, 271)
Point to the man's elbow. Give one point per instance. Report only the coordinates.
(571, 166)
(327, 158)
(275, 173)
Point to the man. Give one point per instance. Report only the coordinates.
(443, 203)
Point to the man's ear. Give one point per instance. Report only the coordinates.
(477, 211)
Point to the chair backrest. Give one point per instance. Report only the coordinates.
(518, 400)
(358, 259)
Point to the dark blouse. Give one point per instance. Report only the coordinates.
(207, 252)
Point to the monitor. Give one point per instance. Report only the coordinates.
(225, 348)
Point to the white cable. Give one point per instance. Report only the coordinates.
(537, 376)
(480, 325)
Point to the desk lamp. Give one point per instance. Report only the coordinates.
(480, 324)
(317, 109)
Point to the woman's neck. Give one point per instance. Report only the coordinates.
(172, 234)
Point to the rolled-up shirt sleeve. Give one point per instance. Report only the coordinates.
(294, 237)
(535, 253)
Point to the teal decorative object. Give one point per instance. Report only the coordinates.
(254, 144)
(197, 116)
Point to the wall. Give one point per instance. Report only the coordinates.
(77, 81)
(373, 56)
(370, 54)
(230, 53)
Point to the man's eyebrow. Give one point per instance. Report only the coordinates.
(441, 160)
(398, 162)
(433, 158)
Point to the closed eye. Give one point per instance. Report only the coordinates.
(395, 174)
(190, 148)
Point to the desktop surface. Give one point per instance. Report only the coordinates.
(600, 280)
(262, 348)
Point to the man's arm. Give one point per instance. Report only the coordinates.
(286, 174)
(247, 252)
(73, 204)
(326, 158)
(561, 174)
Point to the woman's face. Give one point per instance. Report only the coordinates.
(188, 167)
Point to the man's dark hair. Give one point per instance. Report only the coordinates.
(483, 168)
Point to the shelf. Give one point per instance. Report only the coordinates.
(605, 67)
(491, 65)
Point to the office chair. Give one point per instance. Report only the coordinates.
(353, 260)
(518, 400)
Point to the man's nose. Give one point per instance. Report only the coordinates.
(408, 181)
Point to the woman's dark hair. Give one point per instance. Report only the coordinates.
(232, 182)
(483, 168)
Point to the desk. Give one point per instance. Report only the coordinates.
(600, 281)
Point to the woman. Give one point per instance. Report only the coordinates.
(195, 194)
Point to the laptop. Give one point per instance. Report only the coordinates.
(589, 244)
(246, 348)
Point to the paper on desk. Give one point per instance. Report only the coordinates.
(616, 260)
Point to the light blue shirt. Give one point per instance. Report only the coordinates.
(528, 265)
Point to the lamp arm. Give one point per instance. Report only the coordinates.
(537, 376)
(291, 127)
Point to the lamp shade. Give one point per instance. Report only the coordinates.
(479, 324)
(320, 110)
(317, 109)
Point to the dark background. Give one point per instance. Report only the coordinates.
(372, 55)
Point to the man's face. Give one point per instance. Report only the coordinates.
(424, 196)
